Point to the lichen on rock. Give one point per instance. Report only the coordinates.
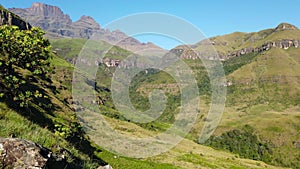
(22, 154)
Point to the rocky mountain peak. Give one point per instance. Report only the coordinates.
(57, 24)
(84, 17)
(47, 17)
(45, 10)
(88, 21)
(285, 26)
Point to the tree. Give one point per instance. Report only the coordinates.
(24, 56)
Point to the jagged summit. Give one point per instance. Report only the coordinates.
(45, 10)
(84, 17)
(285, 26)
(57, 24)
(87, 22)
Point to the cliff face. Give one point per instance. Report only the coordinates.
(45, 16)
(8, 18)
(46, 10)
(283, 44)
(58, 25)
(188, 53)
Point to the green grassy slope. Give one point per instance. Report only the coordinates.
(264, 91)
(264, 94)
(181, 157)
(273, 77)
(41, 127)
(46, 125)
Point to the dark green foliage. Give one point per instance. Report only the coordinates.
(22, 51)
(142, 102)
(235, 63)
(243, 142)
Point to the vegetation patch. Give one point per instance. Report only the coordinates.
(243, 142)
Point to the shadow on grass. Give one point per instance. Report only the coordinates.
(40, 111)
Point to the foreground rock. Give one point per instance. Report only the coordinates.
(105, 167)
(21, 154)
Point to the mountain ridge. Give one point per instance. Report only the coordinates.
(235, 44)
(59, 25)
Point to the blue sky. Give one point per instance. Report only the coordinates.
(212, 17)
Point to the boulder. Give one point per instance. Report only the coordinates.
(105, 167)
(22, 154)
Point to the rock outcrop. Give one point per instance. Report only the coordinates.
(285, 26)
(22, 154)
(186, 52)
(105, 167)
(283, 44)
(8, 18)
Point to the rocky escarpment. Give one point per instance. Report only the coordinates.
(283, 44)
(186, 52)
(283, 36)
(8, 18)
(57, 25)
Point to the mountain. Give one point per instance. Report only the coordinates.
(255, 60)
(238, 43)
(58, 25)
(260, 121)
(58, 141)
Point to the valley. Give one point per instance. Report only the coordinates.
(259, 127)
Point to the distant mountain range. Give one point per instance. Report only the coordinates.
(58, 25)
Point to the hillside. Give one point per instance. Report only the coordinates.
(259, 128)
(38, 130)
(51, 122)
(238, 43)
(261, 103)
(262, 72)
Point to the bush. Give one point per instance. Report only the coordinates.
(243, 142)
(22, 51)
